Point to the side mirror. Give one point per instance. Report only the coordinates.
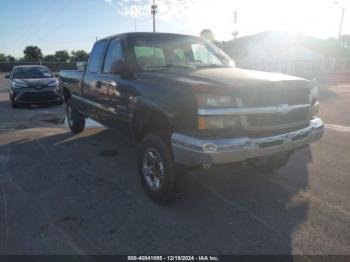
(7, 76)
(81, 66)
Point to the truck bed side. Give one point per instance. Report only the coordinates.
(72, 87)
(72, 80)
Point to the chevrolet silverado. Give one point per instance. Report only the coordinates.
(188, 105)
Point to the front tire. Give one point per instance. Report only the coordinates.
(156, 169)
(270, 163)
(76, 121)
(13, 102)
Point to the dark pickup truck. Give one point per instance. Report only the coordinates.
(187, 105)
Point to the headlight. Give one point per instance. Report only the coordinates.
(54, 84)
(214, 101)
(17, 85)
(218, 122)
(209, 101)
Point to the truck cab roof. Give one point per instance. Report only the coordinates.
(142, 34)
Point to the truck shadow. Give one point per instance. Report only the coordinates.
(82, 195)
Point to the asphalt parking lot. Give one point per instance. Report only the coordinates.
(66, 194)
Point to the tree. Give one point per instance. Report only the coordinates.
(79, 56)
(10, 58)
(62, 56)
(50, 58)
(2, 57)
(345, 40)
(32, 53)
(209, 35)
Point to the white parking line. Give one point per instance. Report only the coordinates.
(338, 128)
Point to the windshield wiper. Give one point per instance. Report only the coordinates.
(211, 66)
(169, 66)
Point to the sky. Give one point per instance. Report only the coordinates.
(74, 24)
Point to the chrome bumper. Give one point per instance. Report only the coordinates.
(192, 151)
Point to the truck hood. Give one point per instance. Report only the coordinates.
(221, 78)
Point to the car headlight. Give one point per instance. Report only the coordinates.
(17, 85)
(214, 101)
(54, 84)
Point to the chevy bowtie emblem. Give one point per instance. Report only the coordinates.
(284, 109)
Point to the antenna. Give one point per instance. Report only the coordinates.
(135, 22)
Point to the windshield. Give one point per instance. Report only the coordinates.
(32, 72)
(164, 51)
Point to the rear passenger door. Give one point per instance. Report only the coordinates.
(114, 91)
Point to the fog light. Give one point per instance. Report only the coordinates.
(209, 148)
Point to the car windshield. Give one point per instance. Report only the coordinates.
(32, 72)
(159, 52)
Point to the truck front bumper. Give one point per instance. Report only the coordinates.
(192, 151)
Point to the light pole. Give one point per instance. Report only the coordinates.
(235, 16)
(154, 12)
(342, 17)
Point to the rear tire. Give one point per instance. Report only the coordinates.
(76, 121)
(157, 169)
(270, 163)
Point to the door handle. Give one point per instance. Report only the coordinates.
(111, 83)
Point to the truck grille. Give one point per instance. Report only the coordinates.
(297, 116)
(263, 97)
(291, 93)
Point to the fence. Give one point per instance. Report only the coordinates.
(53, 66)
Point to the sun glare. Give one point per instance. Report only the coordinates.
(318, 18)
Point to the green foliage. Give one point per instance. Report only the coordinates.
(50, 58)
(10, 58)
(345, 40)
(208, 34)
(79, 56)
(62, 56)
(32, 53)
(2, 57)
(6, 58)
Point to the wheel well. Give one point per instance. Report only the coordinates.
(66, 93)
(146, 120)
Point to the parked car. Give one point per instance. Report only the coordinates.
(33, 84)
(188, 106)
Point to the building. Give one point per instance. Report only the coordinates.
(295, 54)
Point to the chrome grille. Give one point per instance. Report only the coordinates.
(275, 93)
(291, 93)
(272, 96)
(296, 116)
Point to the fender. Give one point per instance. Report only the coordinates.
(141, 110)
